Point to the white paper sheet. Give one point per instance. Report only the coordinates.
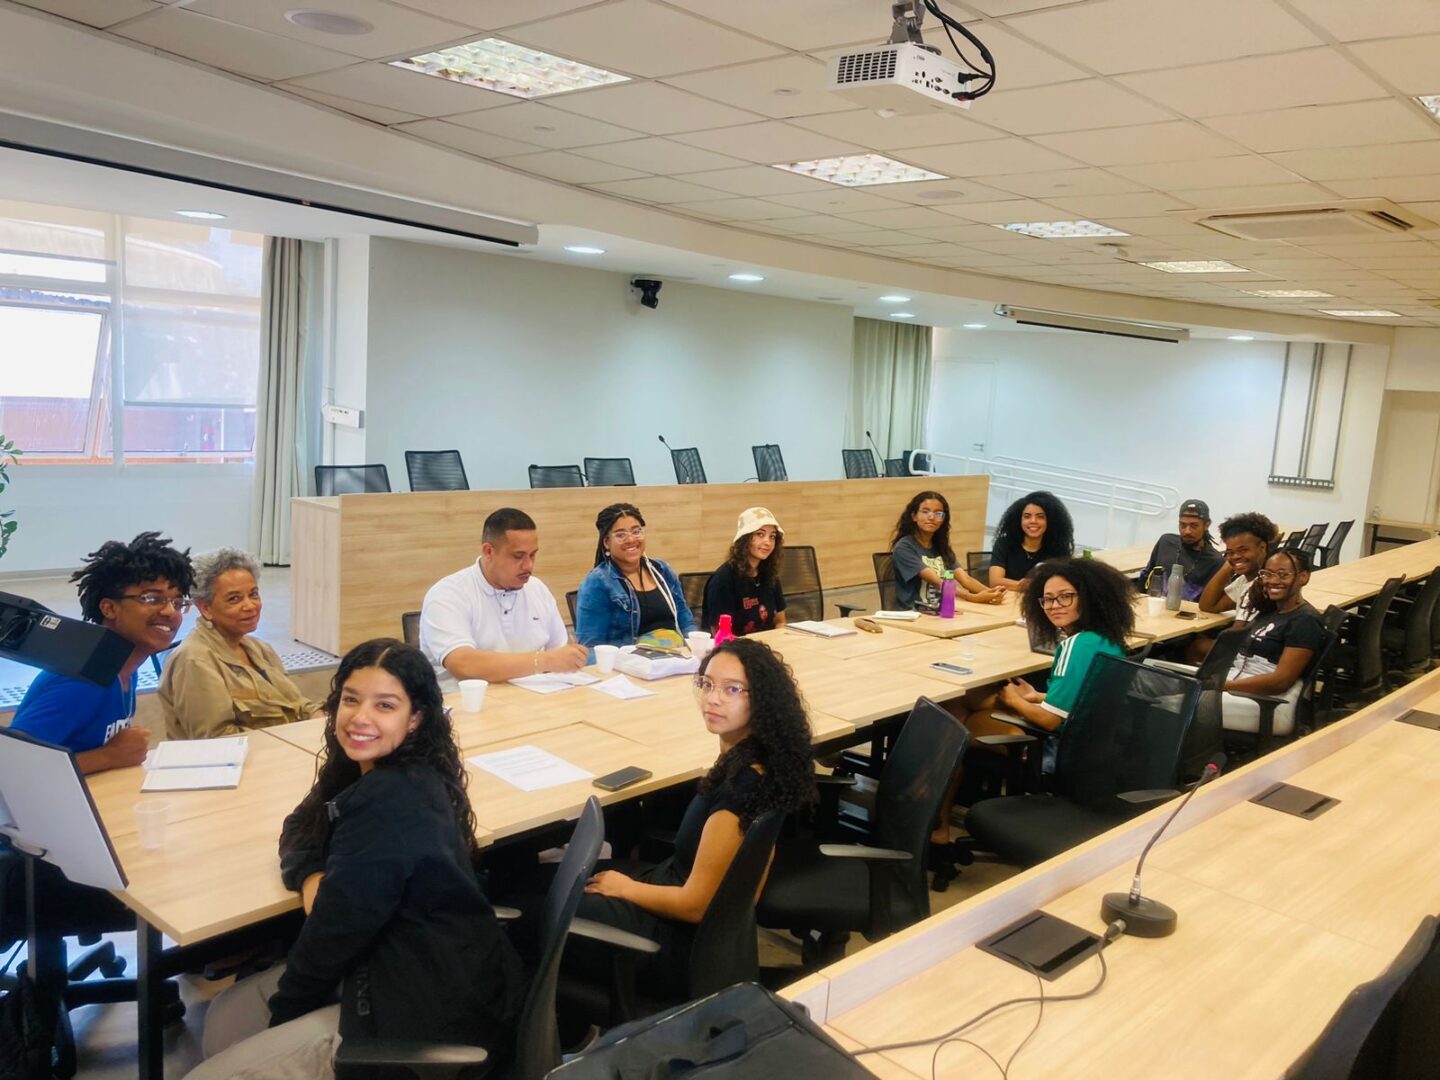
(622, 688)
(198, 753)
(898, 616)
(820, 629)
(192, 779)
(552, 682)
(530, 768)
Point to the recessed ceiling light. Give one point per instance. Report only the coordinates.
(328, 22)
(1430, 103)
(902, 315)
(1289, 294)
(1241, 337)
(584, 249)
(747, 277)
(861, 170)
(974, 325)
(785, 91)
(508, 68)
(1061, 230)
(895, 299)
(1362, 313)
(201, 215)
(1197, 267)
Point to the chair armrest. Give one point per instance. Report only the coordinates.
(506, 914)
(1171, 665)
(357, 1058)
(846, 610)
(611, 935)
(1005, 740)
(863, 851)
(1147, 795)
(1023, 724)
(1273, 700)
(831, 780)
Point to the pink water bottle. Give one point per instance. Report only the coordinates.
(723, 631)
(947, 596)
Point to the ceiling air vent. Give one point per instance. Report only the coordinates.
(1365, 219)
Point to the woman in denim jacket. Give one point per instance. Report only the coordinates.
(627, 594)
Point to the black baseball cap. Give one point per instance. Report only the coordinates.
(1194, 508)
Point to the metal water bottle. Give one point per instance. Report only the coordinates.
(1174, 587)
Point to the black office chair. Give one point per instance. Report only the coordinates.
(976, 562)
(410, 628)
(436, 470)
(769, 463)
(688, 467)
(875, 884)
(1406, 636)
(537, 1039)
(693, 586)
(1310, 542)
(1357, 662)
(351, 479)
(1125, 735)
(895, 466)
(859, 464)
(1330, 550)
(884, 565)
(919, 462)
(609, 472)
(800, 581)
(1292, 541)
(570, 598)
(556, 476)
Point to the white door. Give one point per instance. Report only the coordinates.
(962, 404)
(1403, 486)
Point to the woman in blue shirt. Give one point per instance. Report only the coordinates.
(628, 594)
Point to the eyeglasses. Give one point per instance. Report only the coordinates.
(1275, 575)
(730, 691)
(939, 515)
(637, 533)
(1060, 599)
(181, 604)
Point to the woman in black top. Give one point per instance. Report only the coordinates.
(1032, 529)
(381, 852)
(747, 585)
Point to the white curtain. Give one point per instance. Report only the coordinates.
(889, 386)
(286, 413)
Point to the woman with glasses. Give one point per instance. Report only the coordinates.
(628, 595)
(747, 585)
(223, 680)
(921, 554)
(1032, 529)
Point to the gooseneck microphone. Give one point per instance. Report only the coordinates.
(1145, 917)
(876, 449)
(667, 445)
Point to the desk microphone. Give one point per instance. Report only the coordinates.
(1144, 917)
(876, 449)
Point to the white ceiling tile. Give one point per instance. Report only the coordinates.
(1011, 7)
(922, 251)
(1238, 171)
(741, 209)
(230, 46)
(1061, 182)
(1264, 195)
(1351, 163)
(1417, 262)
(532, 122)
(494, 14)
(395, 88)
(100, 13)
(480, 143)
(992, 157)
(656, 189)
(1408, 63)
(811, 225)
(1312, 127)
(1382, 248)
(397, 32)
(1310, 77)
(771, 142)
(903, 217)
(837, 200)
(1103, 207)
(783, 87)
(1115, 36)
(871, 238)
(664, 157)
(759, 180)
(1153, 225)
(1350, 21)
(958, 234)
(1174, 140)
(1075, 106)
(641, 37)
(1400, 189)
(571, 168)
(943, 192)
(1022, 63)
(377, 113)
(865, 127)
(803, 27)
(1006, 211)
(651, 107)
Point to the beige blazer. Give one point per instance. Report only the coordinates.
(206, 691)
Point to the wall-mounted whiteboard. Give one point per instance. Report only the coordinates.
(1312, 409)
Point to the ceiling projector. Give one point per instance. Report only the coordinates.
(898, 79)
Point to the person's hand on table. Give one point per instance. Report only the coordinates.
(127, 747)
(570, 657)
(609, 883)
(986, 596)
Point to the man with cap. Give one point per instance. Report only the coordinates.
(1192, 547)
(747, 585)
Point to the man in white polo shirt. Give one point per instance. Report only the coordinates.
(495, 620)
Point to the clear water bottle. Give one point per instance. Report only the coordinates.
(1175, 587)
(947, 596)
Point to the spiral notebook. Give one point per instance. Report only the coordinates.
(196, 764)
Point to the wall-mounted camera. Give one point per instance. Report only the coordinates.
(649, 290)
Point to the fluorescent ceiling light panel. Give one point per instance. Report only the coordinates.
(584, 249)
(1200, 267)
(1430, 103)
(747, 277)
(1240, 337)
(1288, 294)
(1061, 230)
(861, 170)
(974, 325)
(896, 299)
(508, 68)
(902, 315)
(1363, 313)
(201, 215)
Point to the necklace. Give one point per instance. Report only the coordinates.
(500, 594)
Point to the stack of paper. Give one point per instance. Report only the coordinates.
(622, 688)
(196, 764)
(552, 682)
(530, 768)
(820, 629)
(899, 616)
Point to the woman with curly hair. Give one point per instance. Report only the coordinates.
(921, 554)
(381, 852)
(748, 697)
(628, 595)
(747, 585)
(1032, 529)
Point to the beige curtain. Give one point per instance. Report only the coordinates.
(889, 386)
(287, 411)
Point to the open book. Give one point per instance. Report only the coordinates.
(820, 629)
(196, 764)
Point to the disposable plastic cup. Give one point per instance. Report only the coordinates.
(1155, 605)
(700, 644)
(605, 656)
(472, 694)
(150, 818)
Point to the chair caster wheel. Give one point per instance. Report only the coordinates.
(172, 1012)
(114, 969)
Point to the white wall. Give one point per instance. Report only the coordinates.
(514, 362)
(1199, 416)
(1414, 359)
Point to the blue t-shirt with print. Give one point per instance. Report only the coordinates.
(75, 714)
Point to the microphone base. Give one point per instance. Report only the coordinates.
(1143, 918)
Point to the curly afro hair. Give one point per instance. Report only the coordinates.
(1252, 524)
(1059, 537)
(118, 566)
(1106, 598)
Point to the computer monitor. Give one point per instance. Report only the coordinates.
(32, 634)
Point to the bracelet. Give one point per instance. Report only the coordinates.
(537, 662)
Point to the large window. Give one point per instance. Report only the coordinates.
(127, 338)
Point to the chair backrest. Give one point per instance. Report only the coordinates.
(859, 464)
(351, 479)
(1333, 617)
(724, 950)
(693, 586)
(410, 628)
(436, 470)
(1415, 653)
(800, 581)
(920, 462)
(895, 466)
(537, 1037)
(769, 464)
(609, 472)
(1207, 729)
(688, 467)
(556, 476)
(907, 800)
(570, 598)
(977, 560)
(1369, 639)
(884, 565)
(1125, 733)
(1293, 540)
(1337, 540)
(1310, 542)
